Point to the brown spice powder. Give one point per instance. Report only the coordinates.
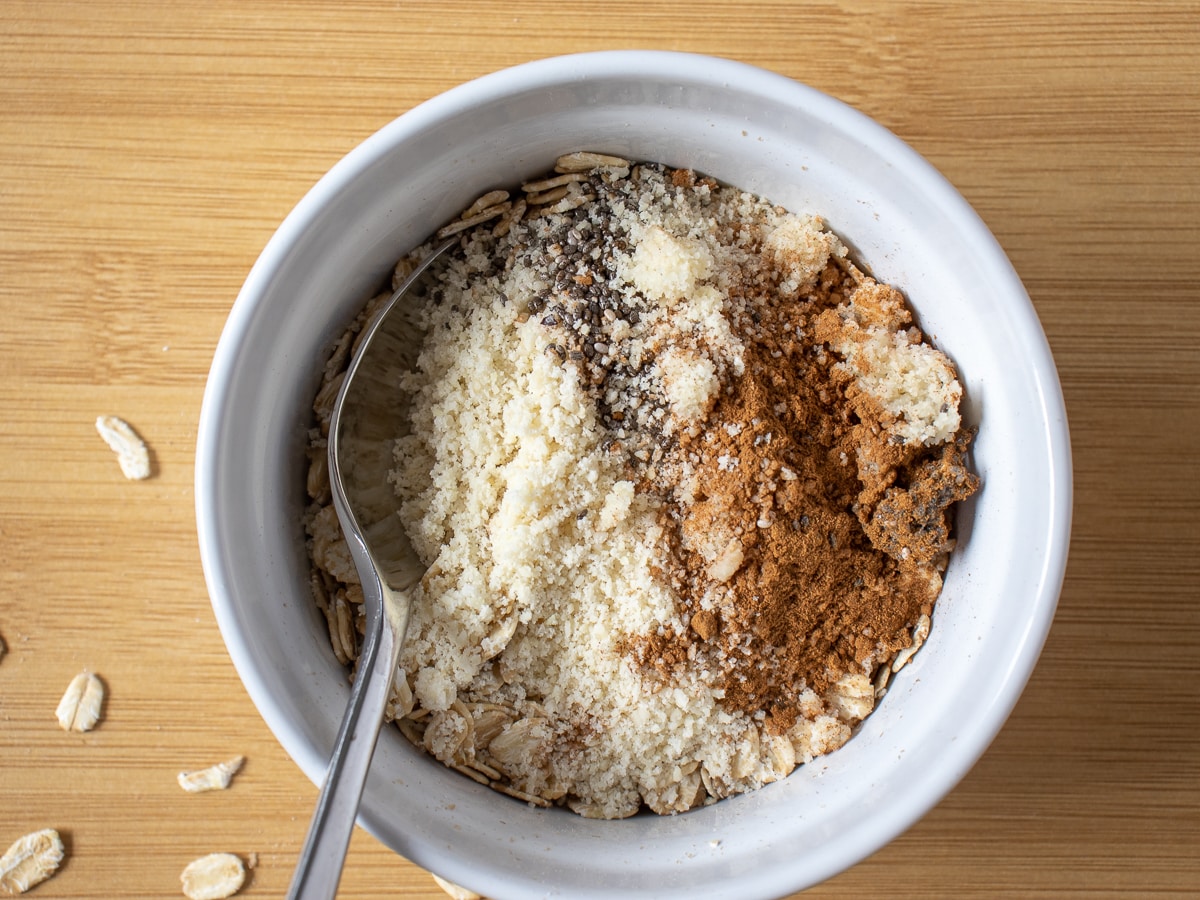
(842, 531)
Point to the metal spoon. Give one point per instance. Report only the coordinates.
(368, 415)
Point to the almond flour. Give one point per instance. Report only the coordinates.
(682, 476)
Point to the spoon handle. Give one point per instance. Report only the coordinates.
(320, 866)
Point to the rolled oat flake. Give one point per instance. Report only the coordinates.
(30, 861)
(213, 877)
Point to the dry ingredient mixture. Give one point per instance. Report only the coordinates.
(682, 476)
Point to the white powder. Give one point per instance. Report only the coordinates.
(914, 382)
(690, 382)
(520, 514)
(665, 267)
(800, 247)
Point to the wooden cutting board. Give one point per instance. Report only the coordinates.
(147, 152)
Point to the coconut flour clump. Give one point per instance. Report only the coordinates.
(682, 476)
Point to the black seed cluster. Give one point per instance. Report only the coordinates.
(583, 310)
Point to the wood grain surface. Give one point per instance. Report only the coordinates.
(149, 149)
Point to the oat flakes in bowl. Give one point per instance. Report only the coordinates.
(682, 477)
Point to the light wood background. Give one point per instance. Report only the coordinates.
(147, 151)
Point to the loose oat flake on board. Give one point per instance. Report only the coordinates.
(131, 450)
(456, 891)
(30, 860)
(79, 708)
(213, 877)
(214, 778)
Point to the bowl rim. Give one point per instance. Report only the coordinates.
(668, 65)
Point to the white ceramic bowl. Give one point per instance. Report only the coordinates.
(766, 134)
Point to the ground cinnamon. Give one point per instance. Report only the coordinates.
(841, 530)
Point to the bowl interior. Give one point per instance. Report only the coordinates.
(765, 134)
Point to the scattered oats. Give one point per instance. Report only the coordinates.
(79, 708)
(473, 772)
(131, 450)
(516, 794)
(519, 742)
(495, 642)
(921, 629)
(214, 778)
(491, 198)
(920, 633)
(781, 755)
(456, 891)
(550, 196)
(852, 698)
(583, 161)
(30, 860)
(545, 184)
(484, 216)
(346, 632)
(882, 677)
(213, 877)
(486, 772)
(510, 218)
(570, 202)
(317, 480)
